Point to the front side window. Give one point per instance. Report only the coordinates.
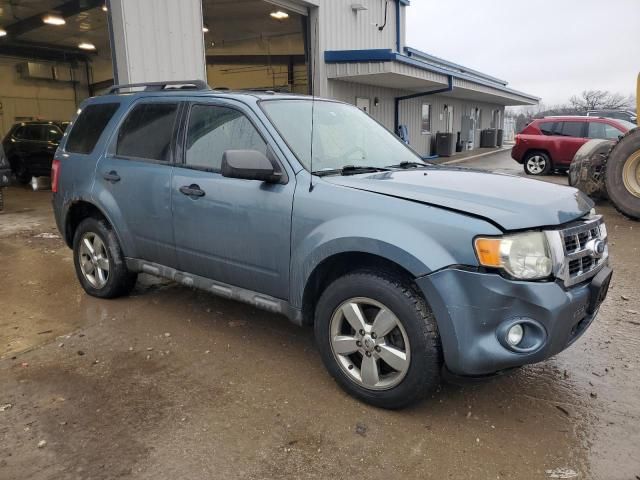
(426, 118)
(343, 135)
(88, 127)
(147, 132)
(53, 133)
(214, 130)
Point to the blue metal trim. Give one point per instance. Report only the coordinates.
(398, 26)
(397, 100)
(428, 57)
(386, 55)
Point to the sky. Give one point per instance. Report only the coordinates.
(552, 49)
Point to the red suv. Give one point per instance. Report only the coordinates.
(550, 143)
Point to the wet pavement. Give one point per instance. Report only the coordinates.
(176, 383)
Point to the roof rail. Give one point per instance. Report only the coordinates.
(159, 86)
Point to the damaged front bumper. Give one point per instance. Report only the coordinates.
(474, 311)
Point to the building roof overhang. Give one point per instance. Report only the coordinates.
(418, 71)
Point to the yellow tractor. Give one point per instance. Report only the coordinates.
(611, 169)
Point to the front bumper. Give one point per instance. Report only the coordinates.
(472, 308)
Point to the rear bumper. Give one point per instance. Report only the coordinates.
(473, 309)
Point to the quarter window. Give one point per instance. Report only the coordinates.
(147, 132)
(88, 127)
(546, 128)
(214, 130)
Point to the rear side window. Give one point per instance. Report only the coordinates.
(88, 127)
(213, 130)
(147, 132)
(53, 133)
(546, 128)
(571, 129)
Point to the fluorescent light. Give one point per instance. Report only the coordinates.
(54, 20)
(279, 15)
(104, 8)
(205, 29)
(3, 32)
(87, 46)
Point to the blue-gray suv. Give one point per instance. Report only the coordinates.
(310, 208)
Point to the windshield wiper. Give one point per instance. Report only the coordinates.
(408, 165)
(351, 170)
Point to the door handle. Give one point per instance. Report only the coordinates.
(192, 190)
(111, 177)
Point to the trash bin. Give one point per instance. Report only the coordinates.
(488, 138)
(444, 144)
(500, 137)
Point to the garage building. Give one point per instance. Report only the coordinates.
(53, 54)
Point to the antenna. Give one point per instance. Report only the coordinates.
(313, 99)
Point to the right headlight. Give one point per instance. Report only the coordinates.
(525, 256)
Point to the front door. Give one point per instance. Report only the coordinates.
(134, 181)
(236, 231)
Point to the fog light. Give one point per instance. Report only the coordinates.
(515, 334)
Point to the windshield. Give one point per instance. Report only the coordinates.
(343, 135)
(626, 124)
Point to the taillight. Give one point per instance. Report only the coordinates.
(55, 175)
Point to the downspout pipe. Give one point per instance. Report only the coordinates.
(448, 88)
(398, 26)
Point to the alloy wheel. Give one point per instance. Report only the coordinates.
(369, 343)
(631, 174)
(536, 164)
(94, 261)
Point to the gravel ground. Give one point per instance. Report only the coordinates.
(175, 383)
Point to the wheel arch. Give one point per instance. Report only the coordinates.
(342, 263)
(77, 211)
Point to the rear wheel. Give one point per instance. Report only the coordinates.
(622, 175)
(378, 339)
(99, 262)
(537, 163)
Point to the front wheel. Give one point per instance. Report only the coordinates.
(99, 261)
(537, 163)
(378, 339)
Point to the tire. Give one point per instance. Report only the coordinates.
(118, 280)
(622, 175)
(373, 292)
(537, 163)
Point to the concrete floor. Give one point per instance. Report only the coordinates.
(174, 383)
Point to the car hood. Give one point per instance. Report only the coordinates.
(509, 201)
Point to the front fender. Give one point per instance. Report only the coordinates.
(332, 220)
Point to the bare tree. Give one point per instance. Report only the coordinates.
(599, 100)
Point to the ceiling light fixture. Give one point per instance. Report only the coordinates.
(3, 32)
(104, 8)
(54, 20)
(205, 29)
(86, 46)
(279, 15)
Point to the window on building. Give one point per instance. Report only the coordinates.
(88, 127)
(570, 129)
(147, 132)
(603, 130)
(426, 118)
(214, 130)
(546, 128)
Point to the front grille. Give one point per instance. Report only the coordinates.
(580, 250)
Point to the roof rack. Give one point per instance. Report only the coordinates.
(159, 86)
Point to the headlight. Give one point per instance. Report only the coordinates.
(524, 256)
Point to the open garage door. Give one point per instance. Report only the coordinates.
(256, 44)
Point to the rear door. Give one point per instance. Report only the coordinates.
(237, 231)
(134, 179)
(572, 135)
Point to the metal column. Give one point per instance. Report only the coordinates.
(156, 40)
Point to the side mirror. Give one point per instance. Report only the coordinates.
(249, 165)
